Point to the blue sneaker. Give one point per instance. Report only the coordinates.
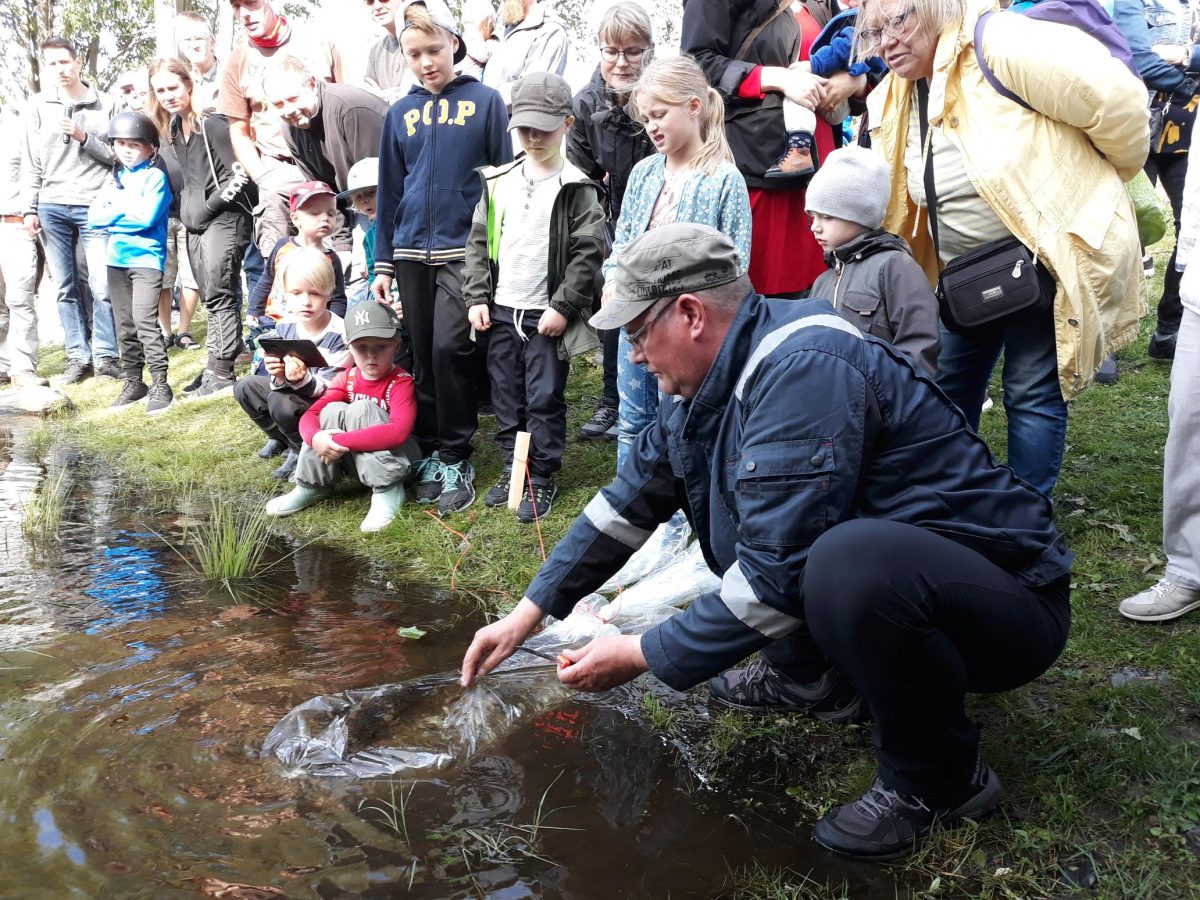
(458, 487)
(427, 479)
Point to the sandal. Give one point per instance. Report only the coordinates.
(186, 342)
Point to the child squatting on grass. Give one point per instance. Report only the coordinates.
(133, 206)
(283, 389)
(537, 242)
(362, 424)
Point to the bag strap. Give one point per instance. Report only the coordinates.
(783, 7)
(927, 151)
(988, 74)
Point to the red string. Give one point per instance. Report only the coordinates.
(466, 545)
(537, 523)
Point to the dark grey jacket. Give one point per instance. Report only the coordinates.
(346, 128)
(875, 283)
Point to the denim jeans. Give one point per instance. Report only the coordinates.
(638, 390)
(1033, 400)
(62, 228)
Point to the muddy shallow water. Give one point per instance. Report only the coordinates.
(134, 700)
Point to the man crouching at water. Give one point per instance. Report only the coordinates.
(866, 540)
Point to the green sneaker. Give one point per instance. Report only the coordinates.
(300, 497)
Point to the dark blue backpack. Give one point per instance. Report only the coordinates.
(1086, 15)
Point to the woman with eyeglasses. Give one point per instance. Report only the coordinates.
(606, 143)
(1045, 168)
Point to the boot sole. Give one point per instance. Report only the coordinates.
(1162, 617)
(853, 714)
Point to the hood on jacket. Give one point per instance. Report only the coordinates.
(865, 245)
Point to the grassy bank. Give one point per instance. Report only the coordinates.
(1098, 757)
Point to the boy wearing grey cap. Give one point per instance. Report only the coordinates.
(873, 281)
(537, 242)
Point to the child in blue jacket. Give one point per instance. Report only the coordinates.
(132, 207)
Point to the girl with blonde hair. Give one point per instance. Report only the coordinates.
(691, 178)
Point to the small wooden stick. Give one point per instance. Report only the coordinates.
(520, 463)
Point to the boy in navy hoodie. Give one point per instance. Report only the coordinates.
(434, 139)
(132, 207)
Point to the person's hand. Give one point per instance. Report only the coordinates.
(552, 323)
(495, 643)
(295, 369)
(609, 294)
(801, 66)
(839, 88)
(275, 367)
(804, 88)
(381, 287)
(326, 447)
(251, 321)
(1175, 54)
(479, 316)
(71, 129)
(604, 663)
(33, 224)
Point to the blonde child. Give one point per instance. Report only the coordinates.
(537, 241)
(133, 206)
(691, 178)
(276, 397)
(361, 425)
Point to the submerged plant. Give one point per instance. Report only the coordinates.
(231, 543)
(394, 811)
(44, 511)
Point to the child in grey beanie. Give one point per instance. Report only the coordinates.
(873, 281)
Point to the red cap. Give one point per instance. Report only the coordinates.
(302, 193)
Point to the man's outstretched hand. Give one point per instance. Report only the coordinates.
(604, 663)
(495, 643)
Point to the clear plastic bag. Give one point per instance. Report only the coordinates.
(668, 541)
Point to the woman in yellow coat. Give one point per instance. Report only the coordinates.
(1051, 176)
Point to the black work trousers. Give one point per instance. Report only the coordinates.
(610, 344)
(277, 413)
(216, 258)
(444, 361)
(1170, 169)
(529, 382)
(134, 296)
(917, 621)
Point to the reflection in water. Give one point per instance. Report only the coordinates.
(130, 748)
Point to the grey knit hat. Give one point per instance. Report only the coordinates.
(854, 184)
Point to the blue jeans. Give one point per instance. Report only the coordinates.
(1037, 412)
(84, 319)
(638, 392)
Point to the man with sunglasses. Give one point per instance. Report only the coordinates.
(867, 542)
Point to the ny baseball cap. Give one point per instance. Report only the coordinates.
(362, 175)
(371, 319)
(540, 100)
(665, 262)
(302, 193)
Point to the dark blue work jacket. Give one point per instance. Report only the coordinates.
(802, 422)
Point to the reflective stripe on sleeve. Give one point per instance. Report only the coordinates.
(611, 523)
(739, 599)
(771, 342)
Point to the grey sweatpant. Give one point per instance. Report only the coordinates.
(1181, 475)
(378, 469)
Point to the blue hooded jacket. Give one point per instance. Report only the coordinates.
(428, 187)
(132, 207)
(832, 50)
(802, 422)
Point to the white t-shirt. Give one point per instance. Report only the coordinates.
(525, 207)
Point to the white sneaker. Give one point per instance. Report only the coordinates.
(384, 506)
(1165, 600)
(297, 499)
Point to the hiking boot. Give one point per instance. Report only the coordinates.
(75, 372)
(1161, 602)
(194, 385)
(538, 499)
(212, 385)
(498, 495)
(800, 157)
(159, 399)
(458, 487)
(271, 448)
(1161, 346)
(297, 499)
(287, 466)
(108, 368)
(427, 476)
(384, 506)
(760, 686)
(133, 391)
(1148, 265)
(1107, 373)
(886, 824)
(29, 379)
(603, 420)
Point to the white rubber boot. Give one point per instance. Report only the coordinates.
(384, 506)
(297, 499)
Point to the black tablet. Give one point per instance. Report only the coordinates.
(304, 350)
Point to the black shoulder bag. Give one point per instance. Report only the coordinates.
(989, 284)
